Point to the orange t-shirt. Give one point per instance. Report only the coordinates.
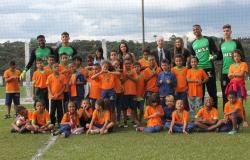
(39, 78)
(237, 105)
(12, 86)
(48, 69)
(41, 119)
(107, 81)
(181, 75)
(144, 63)
(65, 70)
(151, 84)
(73, 91)
(73, 119)
(156, 121)
(118, 84)
(56, 83)
(129, 85)
(30, 115)
(195, 90)
(94, 87)
(180, 119)
(100, 120)
(84, 71)
(208, 115)
(237, 68)
(84, 116)
(140, 86)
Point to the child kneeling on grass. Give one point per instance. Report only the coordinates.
(41, 119)
(69, 122)
(23, 119)
(180, 117)
(153, 114)
(100, 122)
(233, 115)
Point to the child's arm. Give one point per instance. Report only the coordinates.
(87, 113)
(184, 127)
(116, 73)
(170, 131)
(104, 126)
(60, 92)
(80, 112)
(151, 76)
(15, 126)
(132, 78)
(49, 91)
(9, 79)
(96, 75)
(90, 125)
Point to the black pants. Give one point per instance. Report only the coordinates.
(211, 85)
(56, 106)
(224, 82)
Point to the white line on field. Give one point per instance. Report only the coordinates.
(42, 150)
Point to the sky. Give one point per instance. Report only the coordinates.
(120, 19)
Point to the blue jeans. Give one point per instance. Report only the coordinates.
(179, 128)
(152, 129)
(66, 129)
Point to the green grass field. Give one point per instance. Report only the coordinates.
(127, 144)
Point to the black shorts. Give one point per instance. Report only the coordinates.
(15, 97)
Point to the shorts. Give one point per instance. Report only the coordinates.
(15, 97)
(109, 93)
(139, 104)
(129, 102)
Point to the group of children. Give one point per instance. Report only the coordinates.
(173, 96)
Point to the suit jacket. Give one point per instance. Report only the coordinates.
(157, 58)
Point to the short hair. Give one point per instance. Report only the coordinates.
(63, 54)
(178, 56)
(20, 108)
(197, 25)
(159, 38)
(169, 96)
(194, 57)
(226, 26)
(72, 102)
(106, 62)
(52, 56)
(40, 36)
(40, 101)
(137, 64)
(165, 61)
(113, 50)
(39, 60)
(232, 92)
(90, 57)
(154, 98)
(12, 63)
(146, 49)
(65, 34)
(76, 57)
(238, 52)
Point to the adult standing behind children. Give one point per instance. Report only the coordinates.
(65, 47)
(41, 52)
(205, 50)
(161, 53)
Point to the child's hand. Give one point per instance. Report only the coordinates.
(170, 131)
(161, 81)
(169, 81)
(102, 131)
(244, 124)
(88, 131)
(199, 82)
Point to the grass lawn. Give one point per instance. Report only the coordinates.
(128, 144)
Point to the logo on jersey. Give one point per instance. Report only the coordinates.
(227, 54)
(204, 49)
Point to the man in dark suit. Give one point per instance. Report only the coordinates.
(161, 53)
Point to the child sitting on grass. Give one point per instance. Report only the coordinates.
(233, 115)
(85, 112)
(41, 119)
(153, 114)
(22, 122)
(69, 122)
(180, 118)
(100, 122)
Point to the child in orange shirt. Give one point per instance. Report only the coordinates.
(144, 60)
(107, 79)
(85, 113)
(76, 86)
(180, 118)
(22, 122)
(207, 115)
(237, 73)
(119, 102)
(140, 84)
(94, 86)
(180, 73)
(56, 83)
(150, 75)
(129, 85)
(153, 114)
(12, 89)
(100, 122)
(40, 119)
(39, 78)
(49, 67)
(70, 122)
(195, 78)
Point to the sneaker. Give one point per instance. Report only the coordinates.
(13, 130)
(23, 129)
(232, 132)
(55, 133)
(7, 116)
(94, 131)
(125, 126)
(63, 135)
(139, 129)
